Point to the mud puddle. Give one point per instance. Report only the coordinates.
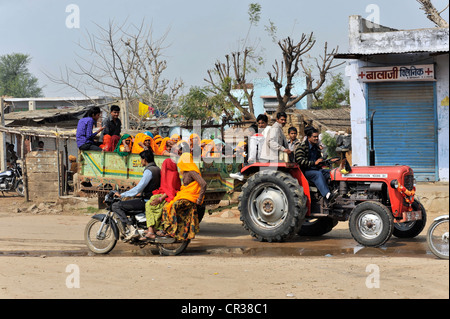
(331, 247)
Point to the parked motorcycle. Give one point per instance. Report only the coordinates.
(437, 237)
(11, 180)
(104, 230)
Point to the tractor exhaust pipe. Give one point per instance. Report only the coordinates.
(372, 150)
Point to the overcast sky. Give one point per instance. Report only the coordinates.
(199, 31)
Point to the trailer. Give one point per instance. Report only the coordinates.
(100, 172)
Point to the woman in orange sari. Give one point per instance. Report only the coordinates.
(170, 185)
(180, 219)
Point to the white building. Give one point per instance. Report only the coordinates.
(402, 76)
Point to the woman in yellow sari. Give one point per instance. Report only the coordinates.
(180, 219)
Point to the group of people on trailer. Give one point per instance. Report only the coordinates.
(124, 144)
(171, 208)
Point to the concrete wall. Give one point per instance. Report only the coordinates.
(368, 38)
(442, 101)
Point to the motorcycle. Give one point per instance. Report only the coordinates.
(437, 237)
(104, 230)
(11, 180)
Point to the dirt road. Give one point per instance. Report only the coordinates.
(44, 256)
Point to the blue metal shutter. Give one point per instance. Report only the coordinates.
(404, 126)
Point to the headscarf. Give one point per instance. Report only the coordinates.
(156, 147)
(106, 141)
(209, 150)
(190, 192)
(139, 138)
(170, 180)
(149, 134)
(162, 147)
(186, 163)
(175, 136)
(191, 138)
(117, 149)
(113, 143)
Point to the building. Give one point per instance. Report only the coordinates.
(402, 76)
(264, 95)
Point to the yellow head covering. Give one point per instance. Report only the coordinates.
(186, 163)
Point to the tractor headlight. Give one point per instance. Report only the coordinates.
(394, 183)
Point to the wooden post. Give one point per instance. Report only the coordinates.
(124, 116)
(24, 170)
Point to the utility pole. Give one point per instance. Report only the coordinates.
(2, 137)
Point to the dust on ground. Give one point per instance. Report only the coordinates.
(198, 274)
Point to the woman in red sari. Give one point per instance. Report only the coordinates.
(170, 185)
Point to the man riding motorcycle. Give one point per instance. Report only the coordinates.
(149, 182)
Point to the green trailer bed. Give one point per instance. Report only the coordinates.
(100, 172)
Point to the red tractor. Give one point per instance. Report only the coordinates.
(277, 203)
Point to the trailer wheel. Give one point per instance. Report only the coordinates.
(371, 224)
(414, 228)
(272, 206)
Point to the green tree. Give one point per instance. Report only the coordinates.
(333, 95)
(15, 78)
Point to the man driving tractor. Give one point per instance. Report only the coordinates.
(309, 157)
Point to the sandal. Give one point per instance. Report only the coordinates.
(162, 233)
(148, 235)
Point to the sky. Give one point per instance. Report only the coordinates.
(199, 32)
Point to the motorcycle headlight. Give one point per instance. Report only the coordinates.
(394, 183)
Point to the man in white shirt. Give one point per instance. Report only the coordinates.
(275, 140)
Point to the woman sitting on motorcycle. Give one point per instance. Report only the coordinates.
(170, 185)
(179, 218)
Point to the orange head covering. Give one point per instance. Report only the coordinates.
(139, 138)
(175, 137)
(194, 136)
(162, 147)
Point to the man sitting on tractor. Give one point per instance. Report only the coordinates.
(309, 158)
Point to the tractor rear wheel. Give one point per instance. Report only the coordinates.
(272, 206)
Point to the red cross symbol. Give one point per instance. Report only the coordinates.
(428, 71)
(361, 75)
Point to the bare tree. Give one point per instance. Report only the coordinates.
(433, 14)
(289, 67)
(123, 61)
(232, 75)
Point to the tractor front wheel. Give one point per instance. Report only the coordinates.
(371, 224)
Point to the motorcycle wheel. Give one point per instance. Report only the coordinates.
(438, 239)
(20, 189)
(104, 242)
(173, 249)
